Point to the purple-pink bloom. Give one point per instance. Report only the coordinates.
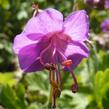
(105, 25)
(48, 38)
(49, 41)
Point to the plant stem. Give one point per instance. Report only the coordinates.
(51, 94)
(50, 97)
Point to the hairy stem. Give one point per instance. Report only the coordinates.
(51, 94)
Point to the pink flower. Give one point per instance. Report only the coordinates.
(48, 38)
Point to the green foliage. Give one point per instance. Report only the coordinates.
(38, 81)
(7, 78)
(101, 85)
(13, 98)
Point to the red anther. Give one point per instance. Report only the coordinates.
(74, 88)
(67, 62)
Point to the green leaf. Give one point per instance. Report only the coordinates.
(5, 4)
(7, 78)
(38, 81)
(10, 98)
(101, 85)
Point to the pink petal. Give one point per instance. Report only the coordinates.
(49, 20)
(48, 54)
(76, 51)
(76, 25)
(36, 66)
(21, 41)
(28, 55)
(35, 36)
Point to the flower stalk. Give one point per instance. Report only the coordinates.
(55, 89)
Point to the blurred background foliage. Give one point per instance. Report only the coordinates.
(30, 91)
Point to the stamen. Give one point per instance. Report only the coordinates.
(54, 98)
(60, 76)
(63, 56)
(75, 85)
(49, 66)
(57, 92)
(57, 89)
(58, 73)
(57, 78)
(53, 78)
(74, 88)
(67, 63)
(54, 84)
(54, 102)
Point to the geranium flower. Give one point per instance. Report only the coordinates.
(105, 25)
(48, 41)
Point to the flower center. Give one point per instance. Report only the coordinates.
(59, 40)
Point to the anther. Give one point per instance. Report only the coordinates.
(49, 66)
(57, 92)
(74, 88)
(67, 63)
